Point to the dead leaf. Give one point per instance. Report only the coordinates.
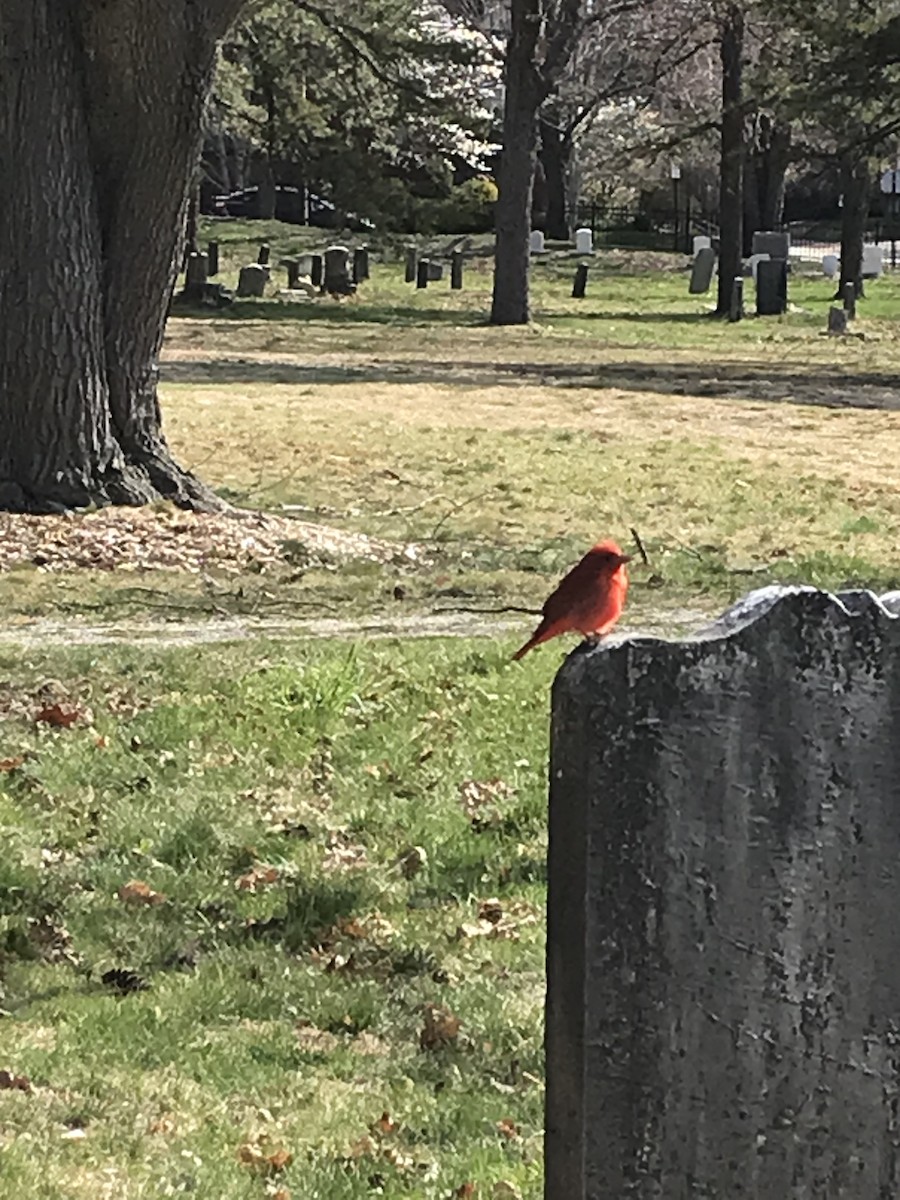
(412, 861)
(162, 1125)
(441, 1028)
(490, 910)
(257, 877)
(472, 929)
(14, 1083)
(11, 764)
(465, 1191)
(139, 893)
(315, 1040)
(363, 1147)
(507, 1128)
(261, 1158)
(62, 715)
(482, 800)
(503, 1190)
(384, 1125)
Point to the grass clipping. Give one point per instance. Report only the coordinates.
(166, 538)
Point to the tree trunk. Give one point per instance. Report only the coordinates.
(100, 111)
(856, 182)
(510, 305)
(556, 157)
(764, 178)
(731, 169)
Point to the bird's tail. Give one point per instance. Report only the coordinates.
(543, 632)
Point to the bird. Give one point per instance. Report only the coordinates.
(589, 600)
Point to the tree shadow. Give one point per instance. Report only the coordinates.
(760, 381)
(337, 312)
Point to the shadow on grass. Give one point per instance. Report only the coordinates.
(334, 312)
(823, 387)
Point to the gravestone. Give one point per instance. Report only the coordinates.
(252, 280)
(536, 243)
(336, 280)
(316, 269)
(830, 265)
(849, 299)
(702, 271)
(584, 241)
(456, 270)
(412, 262)
(701, 242)
(736, 304)
(360, 264)
(435, 272)
(212, 258)
(723, 949)
(753, 263)
(771, 287)
(263, 258)
(293, 272)
(776, 245)
(872, 261)
(579, 283)
(837, 320)
(195, 277)
(304, 266)
(422, 273)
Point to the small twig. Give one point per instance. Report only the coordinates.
(516, 608)
(451, 512)
(640, 545)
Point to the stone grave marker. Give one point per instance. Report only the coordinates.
(412, 263)
(837, 320)
(702, 271)
(579, 283)
(336, 279)
(316, 269)
(753, 263)
(584, 241)
(456, 270)
(849, 299)
(701, 242)
(195, 277)
(264, 253)
(723, 948)
(423, 273)
(873, 261)
(360, 264)
(771, 287)
(537, 241)
(736, 303)
(212, 257)
(252, 280)
(775, 244)
(435, 271)
(830, 265)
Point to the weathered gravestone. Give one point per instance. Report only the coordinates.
(412, 263)
(771, 287)
(579, 283)
(830, 265)
(360, 264)
(195, 277)
(252, 280)
(584, 241)
(723, 961)
(701, 242)
(872, 261)
(456, 270)
(337, 280)
(435, 271)
(702, 271)
(837, 320)
(776, 245)
(536, 241)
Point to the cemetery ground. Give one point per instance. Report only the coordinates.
(271, 910)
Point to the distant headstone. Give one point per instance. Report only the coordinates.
(435, 272)
(775, 244)
(837, 320)
(412, 262)
(872, 261)
(537, 241)
(195, 277)
(212, 258)
(264, 252)
(849, 299)
(736, 303)
(423, 273)
(293, 272)
(252, 280)
(336, 280)
(360, 264)
(316, 269)
(584, 241)
(771, 287)
(304, 266)
(701, 242)
(723, 949)
(753, 263)
(580, 282)
(702, 271)
(830, 265)
(456, 270)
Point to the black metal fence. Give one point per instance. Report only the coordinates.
(632, 228)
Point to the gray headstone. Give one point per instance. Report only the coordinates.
(337, 279)
(771, 287)
(435, 272)
(252, 280)
(723, 1012)
(776, 245)
(195, 276)
(702, 271)
(837, 320)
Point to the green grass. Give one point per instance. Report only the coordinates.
(294, 1010)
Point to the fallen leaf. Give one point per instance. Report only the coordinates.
(124, 981)
(441, 1028)
(137, 892)
(503, 1190)
(490, 910)
(384, 1124)
(363, 1147)
(471, 929)
(162, 1125)
(61, 715)
(257, 877)
(14, 1083)
(465, 1191)
(412, 861)
(11, 764)
(258, 1156)
(507, 1128)
(73, 1135)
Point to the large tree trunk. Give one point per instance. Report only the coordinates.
(556, 157)
(764, 178)
(510, 305)
(857, 184)
(100, 121)
(731, 169)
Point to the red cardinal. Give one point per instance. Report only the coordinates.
(589, 599)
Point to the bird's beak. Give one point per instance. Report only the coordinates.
(625, 558)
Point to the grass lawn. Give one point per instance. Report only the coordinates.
(271, 911)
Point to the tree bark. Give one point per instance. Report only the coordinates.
(515, 178)
(764, 178)
(731, 168)
(857, 184)
(101, 113)
(556, 157)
